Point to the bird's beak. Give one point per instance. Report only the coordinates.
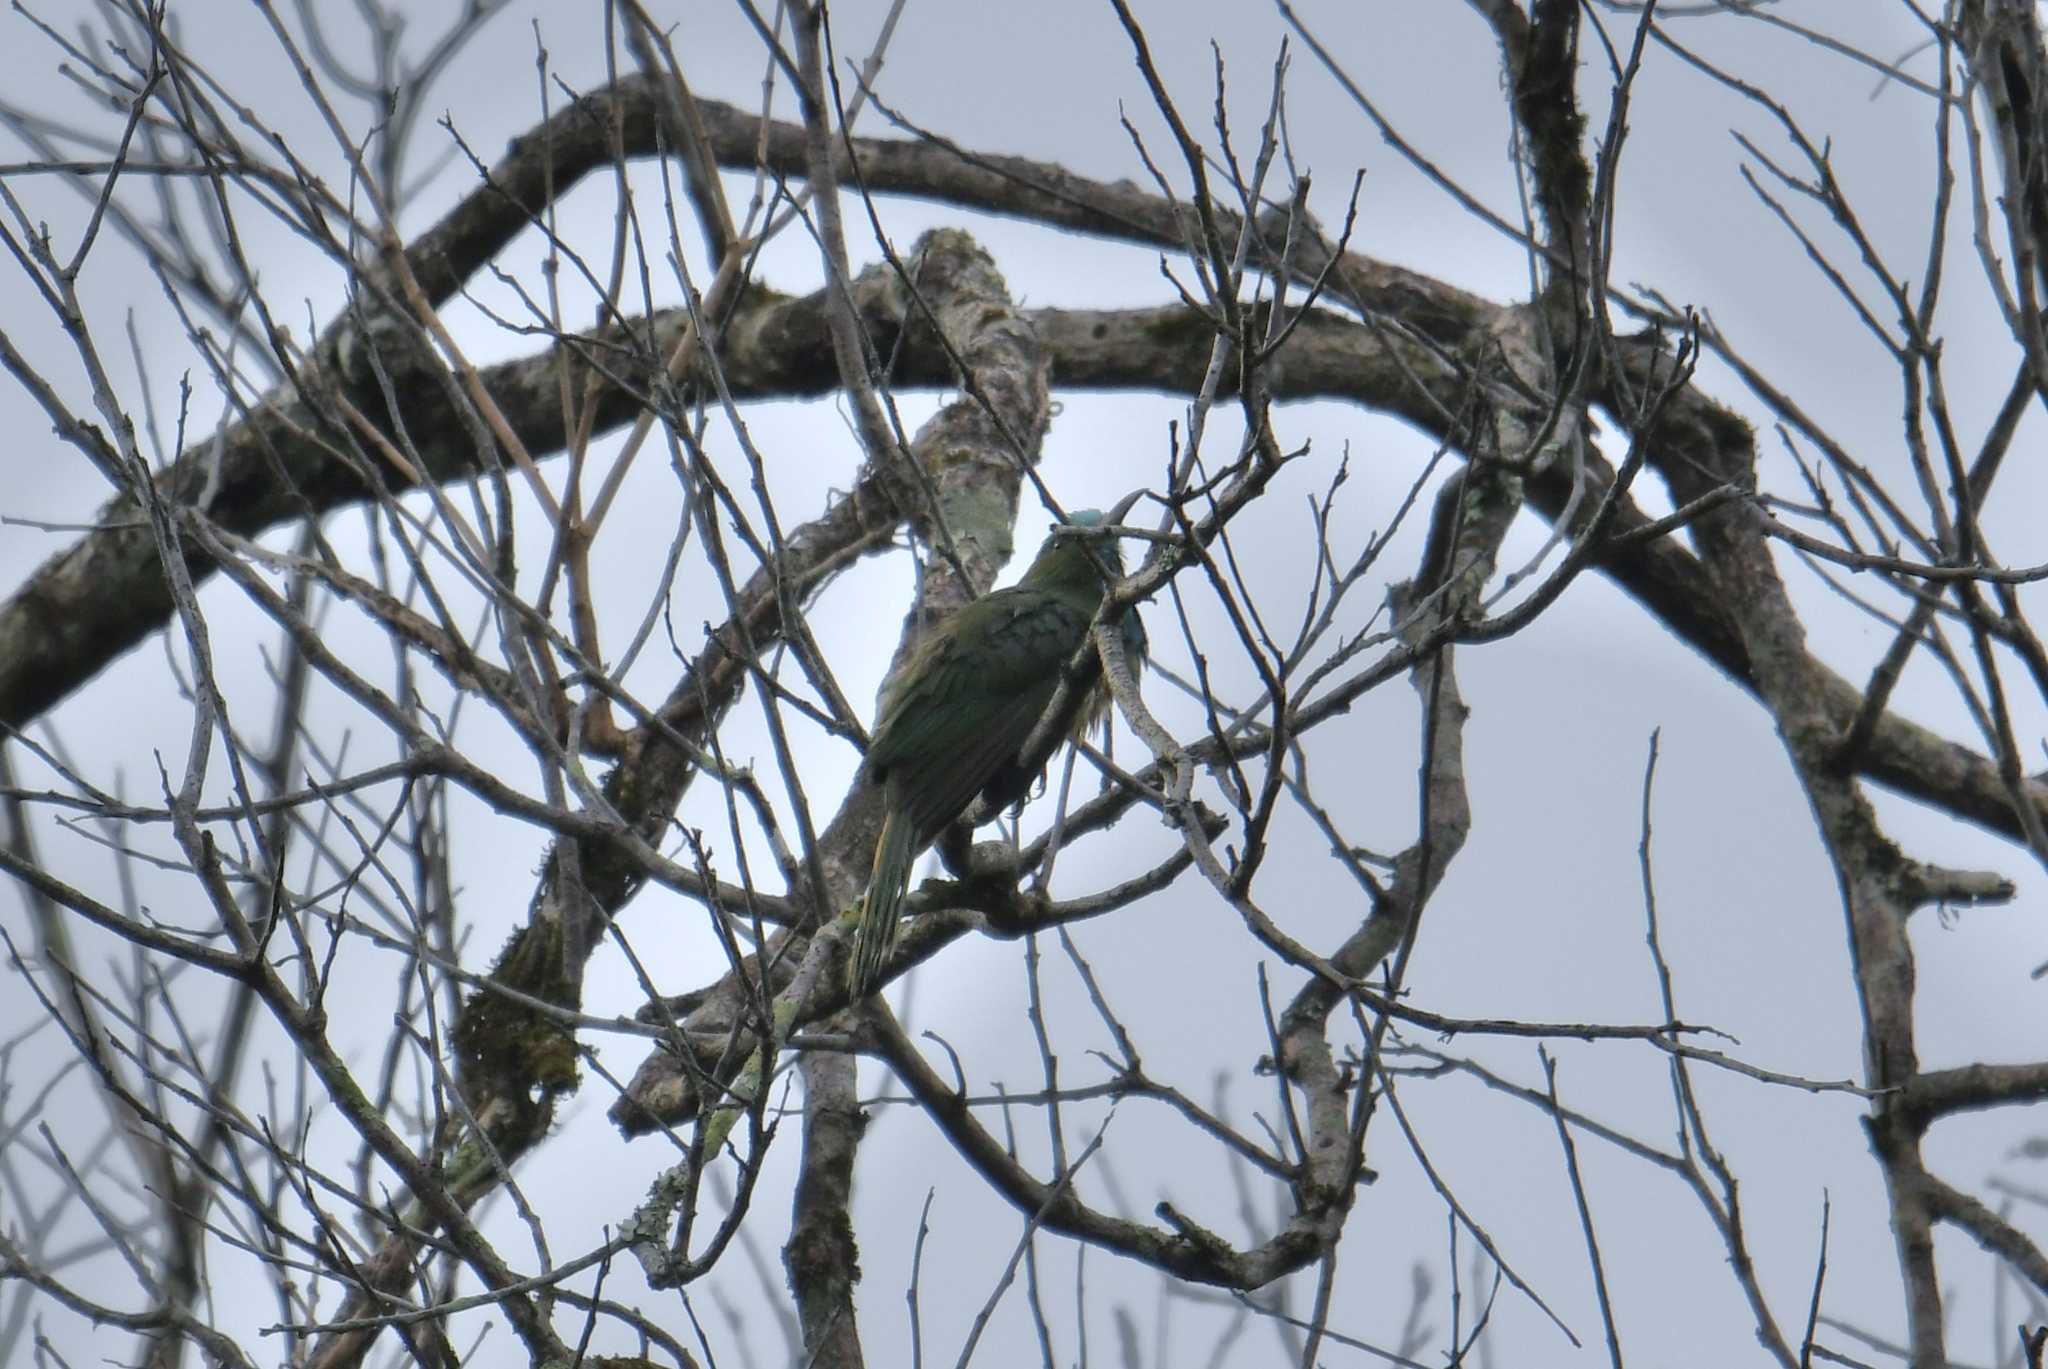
(1122, 507)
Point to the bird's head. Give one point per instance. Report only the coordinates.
(1081, 548)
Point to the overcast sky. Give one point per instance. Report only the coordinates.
(1541, 916)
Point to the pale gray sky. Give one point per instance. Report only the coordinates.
(1541, 916)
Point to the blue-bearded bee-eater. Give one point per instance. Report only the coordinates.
(955, 715)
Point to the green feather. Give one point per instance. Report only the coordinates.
(875, 936)
(954, 716)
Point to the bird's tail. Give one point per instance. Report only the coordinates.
(883, 907)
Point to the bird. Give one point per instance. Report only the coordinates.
(954, 716)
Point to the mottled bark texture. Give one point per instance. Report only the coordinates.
(821, 1256)
(516, 1062)
(97, 599)
(1405, 345)
(975, 475)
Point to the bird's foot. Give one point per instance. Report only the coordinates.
(956, 850)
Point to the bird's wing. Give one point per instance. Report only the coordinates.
(963, 705)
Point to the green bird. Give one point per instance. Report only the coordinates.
(955, 715)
